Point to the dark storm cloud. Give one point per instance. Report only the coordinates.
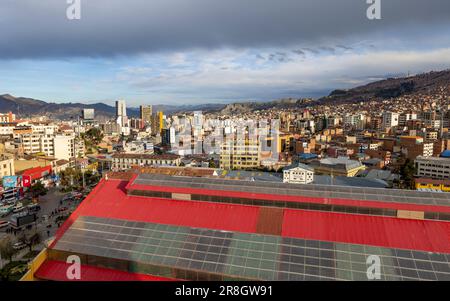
(299, 52)
(33, 29)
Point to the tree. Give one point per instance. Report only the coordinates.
(212, 164)
(31, 241)
(407, 172)
(38, 189)
(6, 249)
(93, 135)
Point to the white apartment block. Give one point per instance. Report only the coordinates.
(390, 120)
(64, 147)
(298, 174)
(46, 129)
(58, 146)
(6, 130)
(37, 143)
(433, 167)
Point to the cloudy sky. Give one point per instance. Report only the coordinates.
(206, 51)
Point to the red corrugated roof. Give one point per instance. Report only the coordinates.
(109, 200)
(368, 230)
(56, 271)
(36, 172)
(290, 198)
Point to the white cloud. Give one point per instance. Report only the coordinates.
(234, 73)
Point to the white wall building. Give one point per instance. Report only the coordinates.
(298, 174)
(121, 108)
(64, 147)
(432, 167)
(390, 119)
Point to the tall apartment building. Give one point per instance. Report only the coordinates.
(146, 114)
(240, 155)
(64, 147)
(157, 122)
(433, 167)
(121, 117)
(121, 109)
(390, 119)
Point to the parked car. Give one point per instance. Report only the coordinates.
(19, 246)
(67, 197)
(18, 208)
(6, 210)
(34, 207)
(61, 209)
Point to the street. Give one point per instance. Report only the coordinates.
(49, 204)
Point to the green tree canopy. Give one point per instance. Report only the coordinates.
(6, 249)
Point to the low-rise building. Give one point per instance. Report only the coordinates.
(298, 174)
(425, 184)
(414, 146)
(433, 167)
(126, 161)
(340, 166)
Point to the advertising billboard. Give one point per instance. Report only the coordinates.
(26, 181)
(11, 181)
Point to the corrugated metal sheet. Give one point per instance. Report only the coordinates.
(270, 221)
(37, 172)
(109, 199)
(368, 230)
(298, 199)
(56, 271)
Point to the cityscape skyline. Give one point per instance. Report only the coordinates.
(102, 58)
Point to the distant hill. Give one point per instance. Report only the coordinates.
(384, 89)
(27, 107)
(392, 87)
(248, 107)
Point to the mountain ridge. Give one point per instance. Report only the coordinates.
(378, 90)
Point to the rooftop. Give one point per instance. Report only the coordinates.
(287, 191)
(147, 156)
(340, 161)
(169, 238)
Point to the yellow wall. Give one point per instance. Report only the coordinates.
(34, 266)
(440, 187)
